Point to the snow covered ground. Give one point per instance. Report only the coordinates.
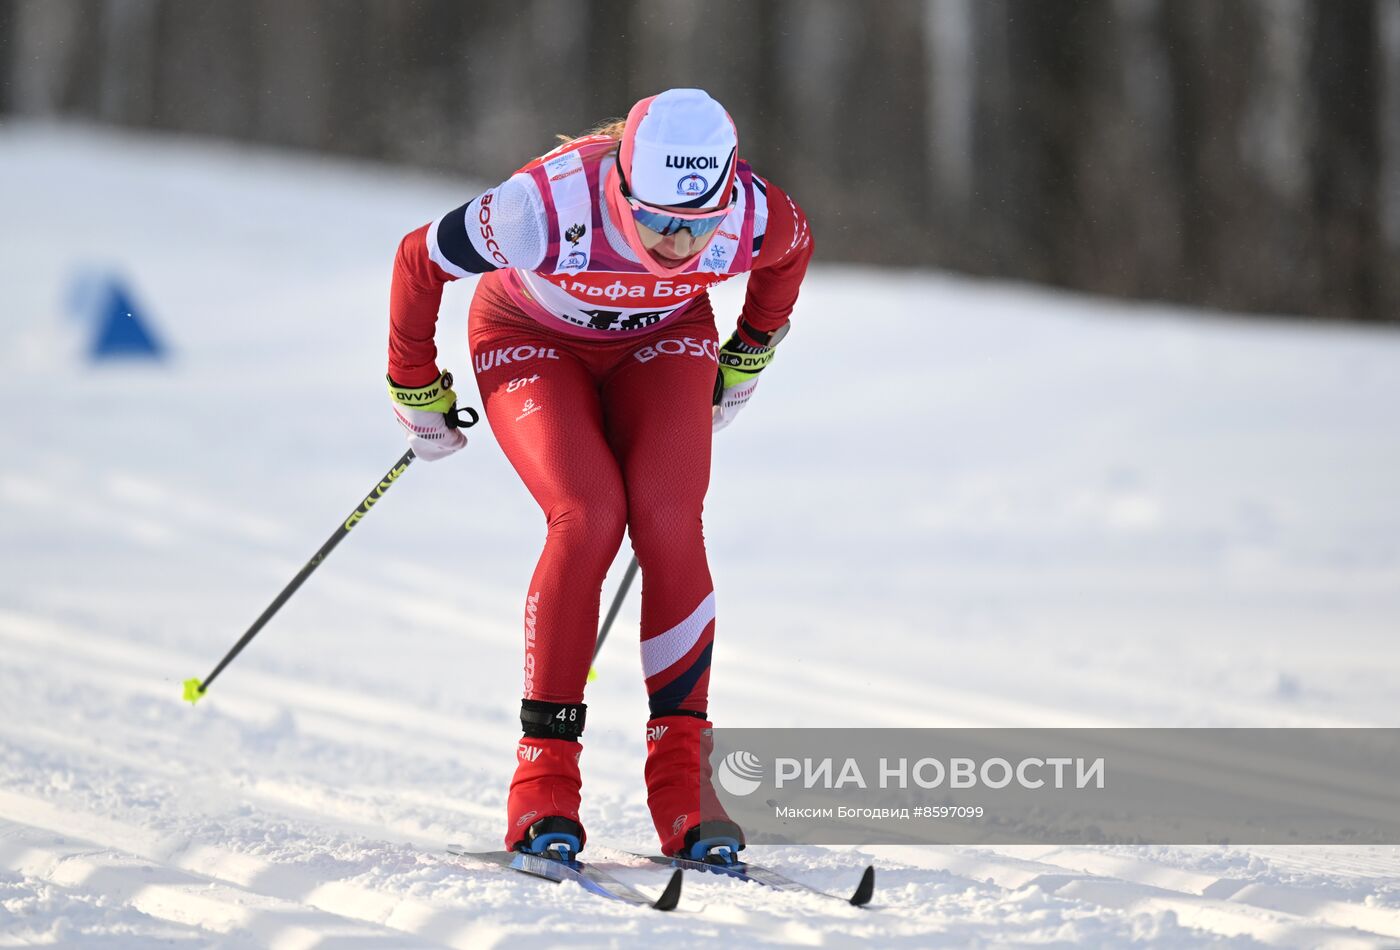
(977, 504)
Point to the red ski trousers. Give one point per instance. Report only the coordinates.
(607, 435)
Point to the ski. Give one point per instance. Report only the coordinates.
(588, 876)
(758, 874)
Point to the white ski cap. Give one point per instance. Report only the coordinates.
(679, 149)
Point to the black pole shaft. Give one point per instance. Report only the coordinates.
(616, 605)
(345, 528)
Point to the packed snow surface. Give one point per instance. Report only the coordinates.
(951, 502)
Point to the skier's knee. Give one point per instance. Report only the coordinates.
(663, 524)
(590, 528)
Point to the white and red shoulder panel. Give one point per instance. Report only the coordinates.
(505, 226)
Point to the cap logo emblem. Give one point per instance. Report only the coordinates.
(692, 186)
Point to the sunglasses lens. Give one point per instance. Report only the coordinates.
(665, 224)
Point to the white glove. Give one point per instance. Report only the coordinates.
(731, 400)
(429, 435)
(424, 413)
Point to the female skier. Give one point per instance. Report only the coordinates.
(600, 372)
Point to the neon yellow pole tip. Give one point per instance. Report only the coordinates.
(592, 673)
(193, 690)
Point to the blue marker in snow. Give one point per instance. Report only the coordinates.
(121, 330)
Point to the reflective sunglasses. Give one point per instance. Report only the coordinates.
(665, 223)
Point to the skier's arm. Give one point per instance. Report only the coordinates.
(778, 269)
(777, 274)
(502, 227)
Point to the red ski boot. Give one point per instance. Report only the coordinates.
(542, 811)
(687, 814)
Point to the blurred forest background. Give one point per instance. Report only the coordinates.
(1242, 154)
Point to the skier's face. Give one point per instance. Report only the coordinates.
(670, 248)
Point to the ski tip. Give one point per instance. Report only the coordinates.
(193, 690)
(671, 896)
(592, 673)
(866, 888)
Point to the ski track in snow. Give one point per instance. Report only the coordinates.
(1039, 510)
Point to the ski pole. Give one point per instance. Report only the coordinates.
(194, 688)
(612, 615)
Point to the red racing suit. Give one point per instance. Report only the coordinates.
(597, 380)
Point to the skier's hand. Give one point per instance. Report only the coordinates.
(741, 359)
(429, 415)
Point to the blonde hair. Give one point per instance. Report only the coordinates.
(610, 127)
